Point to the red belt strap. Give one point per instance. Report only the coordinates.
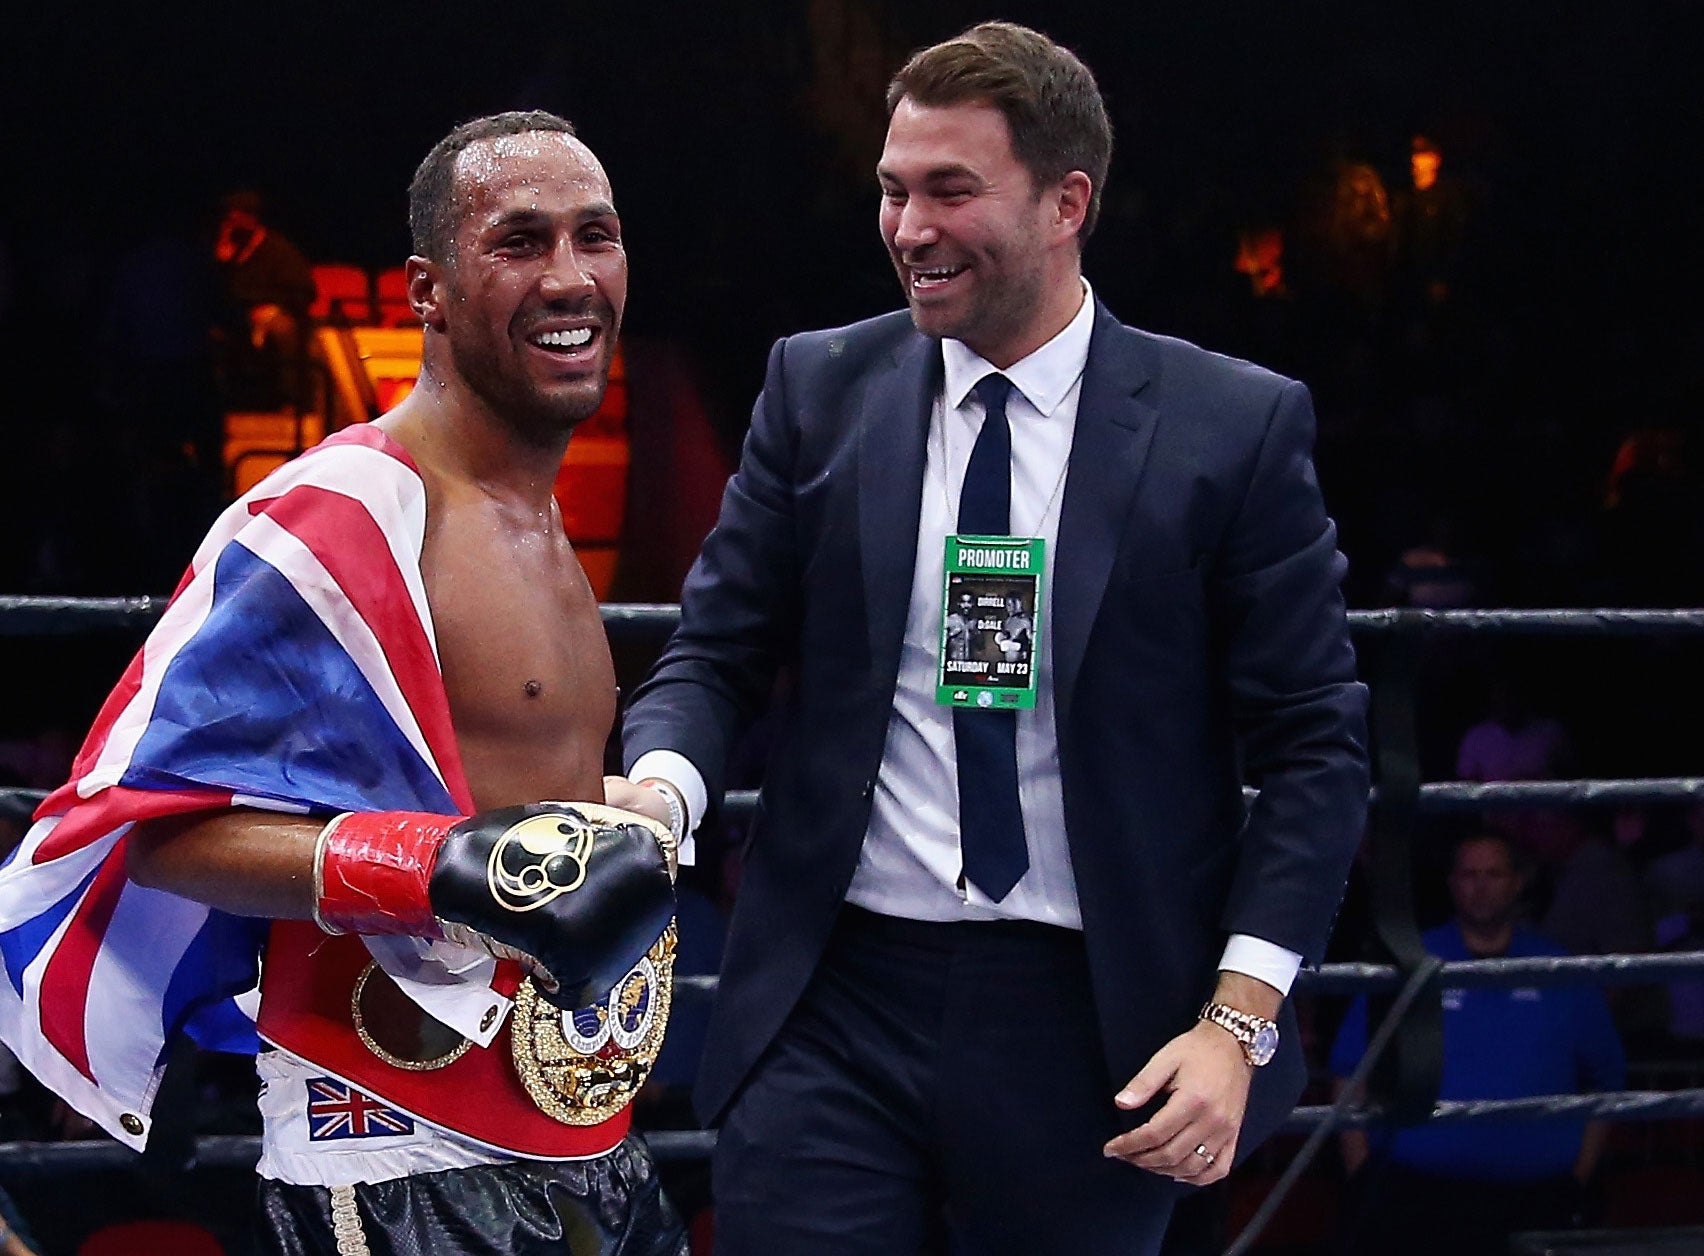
(306, 988)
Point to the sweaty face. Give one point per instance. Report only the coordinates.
(964, 224)
(1484, 884)
(538, 280)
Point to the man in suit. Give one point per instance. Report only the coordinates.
(982, 928)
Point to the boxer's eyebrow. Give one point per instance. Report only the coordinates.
(525, 215)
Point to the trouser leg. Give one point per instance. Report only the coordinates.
(1027, 1107)
(825, 1151)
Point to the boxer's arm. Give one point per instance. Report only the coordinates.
(247, 863)
(582, 889)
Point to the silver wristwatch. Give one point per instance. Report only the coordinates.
(1257, 1036)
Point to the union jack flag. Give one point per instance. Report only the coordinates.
(295, 670)
(337, 1111)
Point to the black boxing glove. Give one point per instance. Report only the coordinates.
(582, 889)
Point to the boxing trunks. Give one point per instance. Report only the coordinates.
(608, 1206)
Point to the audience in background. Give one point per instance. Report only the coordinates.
(268, 286)
(1514, 742)
(1463, 1188)
(1596, 905)
(1675, 883)
(1435, 573)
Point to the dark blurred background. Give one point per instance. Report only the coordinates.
(741, 139)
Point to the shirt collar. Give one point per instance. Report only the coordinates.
(1044, 377)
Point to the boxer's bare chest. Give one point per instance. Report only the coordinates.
(525, 660)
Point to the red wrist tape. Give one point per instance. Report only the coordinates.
(371, 871)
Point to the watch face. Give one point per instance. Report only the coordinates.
(1264, 1046)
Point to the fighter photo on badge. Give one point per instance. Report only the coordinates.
(990, 608)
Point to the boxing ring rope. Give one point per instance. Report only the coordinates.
(1408, 1034)
(32, 1160)
(37, 615)
(70, 616)
(1437, 798)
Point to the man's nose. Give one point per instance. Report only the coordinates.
(914, 227)
(566, 277)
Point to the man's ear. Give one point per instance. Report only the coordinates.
(1071, 203)
(426, 291)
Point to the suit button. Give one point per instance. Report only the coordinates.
(869, 789)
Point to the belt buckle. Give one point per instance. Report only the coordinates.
(583, 1067)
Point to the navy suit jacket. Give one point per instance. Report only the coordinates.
(1199, 642)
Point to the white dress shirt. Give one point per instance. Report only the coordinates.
(911, 863)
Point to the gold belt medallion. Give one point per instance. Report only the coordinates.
(585, 1066)
(395, 1029)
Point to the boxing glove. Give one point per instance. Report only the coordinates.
(582, 889)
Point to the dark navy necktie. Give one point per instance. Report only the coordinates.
(991, 823)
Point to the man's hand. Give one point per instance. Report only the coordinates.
(623, 793)
(1193, 1137)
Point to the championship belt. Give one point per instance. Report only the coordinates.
(585, 1066)
(580, 1067)
(563, 1086)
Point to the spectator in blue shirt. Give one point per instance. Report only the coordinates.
(1462, 1188)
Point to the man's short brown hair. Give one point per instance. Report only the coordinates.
(1050, 100)
(431, 217)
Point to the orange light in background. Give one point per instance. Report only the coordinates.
(591, 484)
(372, 359)
(1260, 256)
(388, 393)
(1647, 453)
(1360, 208)
(1424, 162)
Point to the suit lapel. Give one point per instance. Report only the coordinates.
(894, 426)
(1113, 434)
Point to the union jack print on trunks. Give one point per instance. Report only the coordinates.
(337, 1111)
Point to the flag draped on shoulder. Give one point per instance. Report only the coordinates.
(294, 670)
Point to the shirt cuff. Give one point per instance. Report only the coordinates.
(677, 770)
(1262, 960)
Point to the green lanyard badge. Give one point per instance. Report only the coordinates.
(990, 622)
